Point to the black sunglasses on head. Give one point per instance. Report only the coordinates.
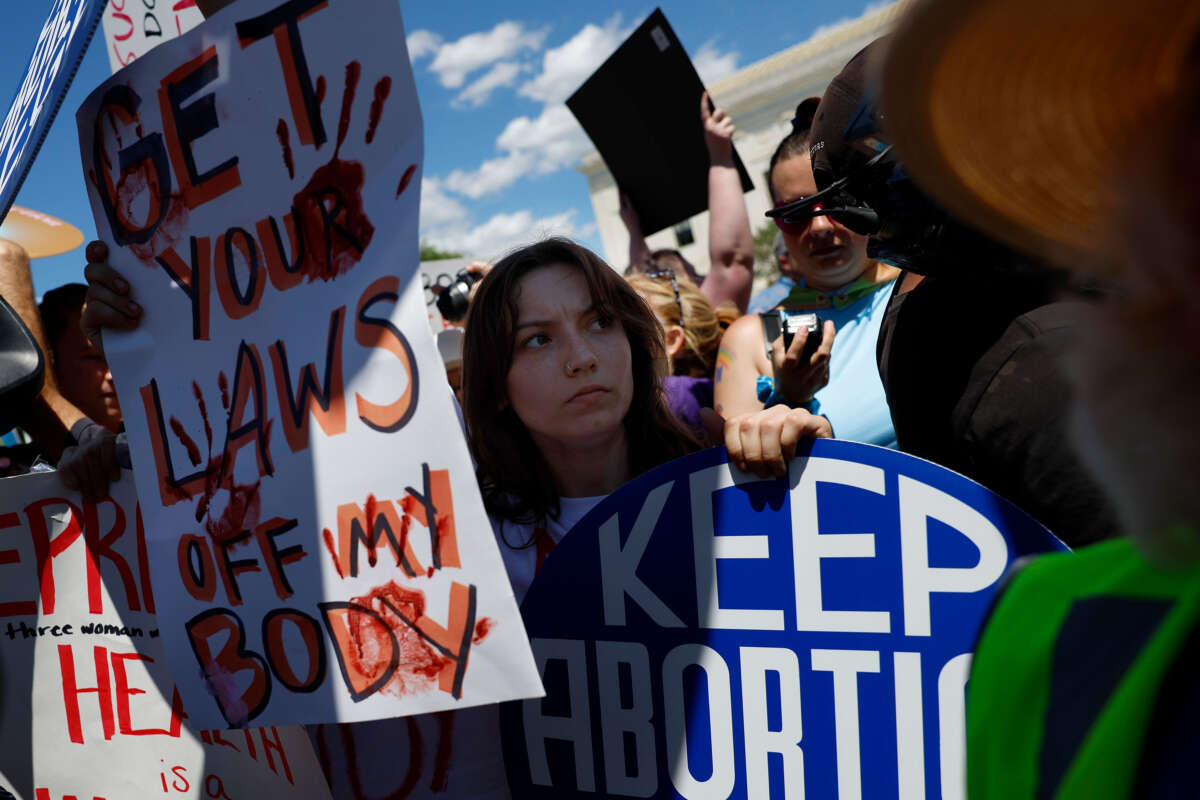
(670, 273)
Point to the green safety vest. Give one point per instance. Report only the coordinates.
(1067, 672)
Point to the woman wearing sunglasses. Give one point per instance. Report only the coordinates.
(830, 275)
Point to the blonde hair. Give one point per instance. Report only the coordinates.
(703, 326)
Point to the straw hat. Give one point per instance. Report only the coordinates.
(1018, 115)
(40, 234)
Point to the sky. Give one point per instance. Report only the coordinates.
(501, 148)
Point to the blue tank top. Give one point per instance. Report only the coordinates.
(853, 400)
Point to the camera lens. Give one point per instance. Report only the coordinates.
(453, 301)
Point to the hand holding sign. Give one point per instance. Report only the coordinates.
(718, 131)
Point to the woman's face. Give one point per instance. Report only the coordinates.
(826, 254)
(571, 379)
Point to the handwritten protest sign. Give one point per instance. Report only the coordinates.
(88, 707)
(704, 633)
(319, 545)
(60, 46)
(132, 27)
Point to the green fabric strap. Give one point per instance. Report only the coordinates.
(802, 298)
(1010, 678)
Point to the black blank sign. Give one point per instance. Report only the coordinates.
(641, 109)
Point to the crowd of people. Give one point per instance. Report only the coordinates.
(1069, 391)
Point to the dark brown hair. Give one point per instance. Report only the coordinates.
(59, 308)
(515, 479)
(796, 143)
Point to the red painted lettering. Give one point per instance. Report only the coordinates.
(45, 549)
(72, 691)
(14, 608)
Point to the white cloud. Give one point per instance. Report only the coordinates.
(713, 64)
(536, 146)
(422, 43)
(438, 208)
(566, 67)
(502, 74)
(457, 59)
(503, 232)
(554, 137)
(492, 176)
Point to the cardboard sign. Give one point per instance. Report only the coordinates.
(60, 46)
(132, 27)
(89, 708)
(641, 109)
(704, 633)
(318, 541)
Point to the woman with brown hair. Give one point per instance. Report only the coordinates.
(563, 403)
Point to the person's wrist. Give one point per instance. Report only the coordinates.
(771, 393)
(720, 156)
(792, 399)
(795, 394)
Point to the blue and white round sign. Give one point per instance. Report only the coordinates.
(703, 633)
(59, 48)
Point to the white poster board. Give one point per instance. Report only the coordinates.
(313, 512)
(132, 27)
(87, 705)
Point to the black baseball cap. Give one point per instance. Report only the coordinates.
(847, 115)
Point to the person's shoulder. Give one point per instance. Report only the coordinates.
(696, 392)
(744, 330)
(1024, 356)
(11, 250)
(1049, 319)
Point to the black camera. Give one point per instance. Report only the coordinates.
(789, 323)
(453, 300)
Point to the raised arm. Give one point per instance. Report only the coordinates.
(50, 419)
(84, 451)
(639, 251)
(730, 243)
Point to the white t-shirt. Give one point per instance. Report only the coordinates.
(521, 558)
(460, 751)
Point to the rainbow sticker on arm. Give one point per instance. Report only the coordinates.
(724, 359)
